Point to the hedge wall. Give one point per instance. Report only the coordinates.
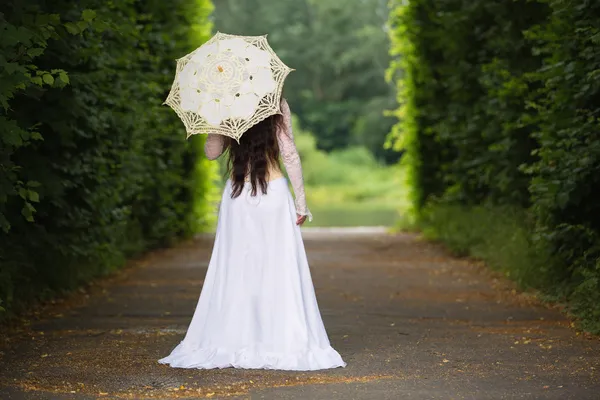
(500, 106)
(93, 169)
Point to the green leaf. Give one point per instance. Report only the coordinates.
(63, 76)
(88, 15)
(54, 19)
(36, 136)
(33, 196)
(27, 211)
(100, 26)
(72, 28)
(37, 80)
(36, 51)
(4, 224)
(23, 193)
(82, 25)
(12, 137)
(33, 184)
(49, 79)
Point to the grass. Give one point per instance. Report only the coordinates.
(349, 187)
(507, 241)
(499, 235)
(353, 215)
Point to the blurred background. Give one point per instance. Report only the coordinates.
(339, 95)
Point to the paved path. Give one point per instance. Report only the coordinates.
(412, 323)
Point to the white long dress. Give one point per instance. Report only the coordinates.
(258, 308)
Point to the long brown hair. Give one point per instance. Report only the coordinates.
(251, 157)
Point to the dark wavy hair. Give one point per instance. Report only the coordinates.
(251, 157)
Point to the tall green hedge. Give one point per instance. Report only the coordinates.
(93, 169)
(500, 107)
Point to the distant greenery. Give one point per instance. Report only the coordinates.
(500, 118)
(349, 187)
(346, 187)
(93, 169)
(340, 52)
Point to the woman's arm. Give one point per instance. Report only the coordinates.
(214, 146)
(291, 160)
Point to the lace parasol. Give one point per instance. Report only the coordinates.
(228, 85)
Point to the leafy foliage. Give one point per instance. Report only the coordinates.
(92, 169)
(501, 235)
(499, 108)
(567, 171)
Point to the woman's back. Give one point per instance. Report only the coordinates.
(255, 159)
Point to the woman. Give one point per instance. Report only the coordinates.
(258, 308)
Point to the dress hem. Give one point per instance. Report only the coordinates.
(306, 360)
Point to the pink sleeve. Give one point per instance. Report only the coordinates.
(213, 147)
(291, 160)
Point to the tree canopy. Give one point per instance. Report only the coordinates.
(340, 53)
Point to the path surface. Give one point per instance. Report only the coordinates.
(412, 323)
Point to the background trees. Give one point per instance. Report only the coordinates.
(91, 168)
(340, 53)
(500, 118)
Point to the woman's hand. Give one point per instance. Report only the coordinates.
(300, 220)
